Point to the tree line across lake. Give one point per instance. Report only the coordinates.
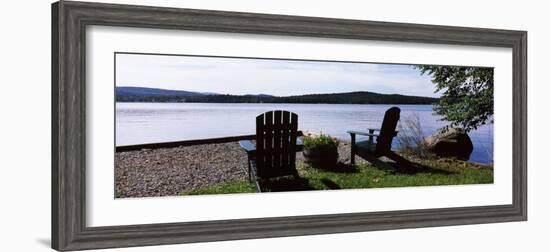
(125, 94)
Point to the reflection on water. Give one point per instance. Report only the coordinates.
(138, 123)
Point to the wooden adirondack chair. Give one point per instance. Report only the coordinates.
(274, 154)
(372, 151)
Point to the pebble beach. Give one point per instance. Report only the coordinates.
(171, 171)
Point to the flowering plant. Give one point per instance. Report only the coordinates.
(313, 140)
(320, 150)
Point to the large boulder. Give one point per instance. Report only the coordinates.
(452, 143)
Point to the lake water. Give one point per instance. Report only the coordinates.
(139, 123)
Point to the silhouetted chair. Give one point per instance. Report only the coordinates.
(274, 154)
(371, 150)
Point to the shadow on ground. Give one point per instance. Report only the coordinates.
(330, 184)
(303, 184)
(414, 168)
(296, 184)
(339, 168)
(287, 184)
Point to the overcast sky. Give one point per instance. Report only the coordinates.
(274, 77)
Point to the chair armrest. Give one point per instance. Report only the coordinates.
(375, 129)
(248, 146)
(354, 132)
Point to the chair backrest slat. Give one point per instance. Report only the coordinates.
(387, 131)
(293, 136)
(276, 133)
(285, 144)
(268, 139)
(260, 142)
(277, 149)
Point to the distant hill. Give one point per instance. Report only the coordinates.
(138, 94)
(259, 95)
(143, 91)
(361, 97)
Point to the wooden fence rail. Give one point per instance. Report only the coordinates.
(187, 143)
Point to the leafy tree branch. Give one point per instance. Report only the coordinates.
(467, 95)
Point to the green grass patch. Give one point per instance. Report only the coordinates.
(431, 173)
(224, 188)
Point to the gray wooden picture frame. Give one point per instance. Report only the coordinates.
(69, 21)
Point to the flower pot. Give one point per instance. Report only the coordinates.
(321, 157)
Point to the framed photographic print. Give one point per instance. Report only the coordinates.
(177, 125)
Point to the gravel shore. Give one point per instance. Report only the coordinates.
(170, 171)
